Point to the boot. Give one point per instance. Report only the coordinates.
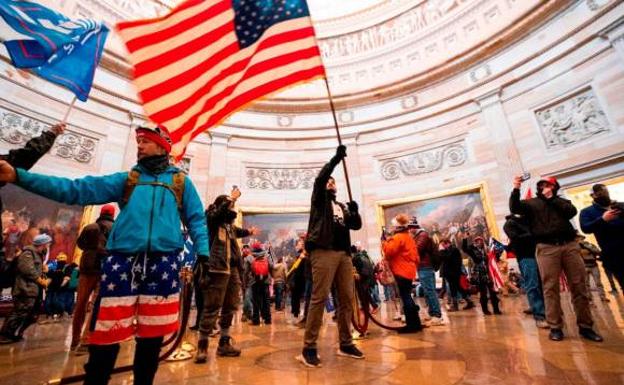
(226, 349)
(146, 360)
(99, 367)
(455, 305)
(469, 304)
(202, 351)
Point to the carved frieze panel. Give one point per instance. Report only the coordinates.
(17, 129)
(425, 161)
(574, 119)
(276, 178)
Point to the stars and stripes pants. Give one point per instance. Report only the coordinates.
(139, 296)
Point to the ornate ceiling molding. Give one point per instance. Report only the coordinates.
(280, 177)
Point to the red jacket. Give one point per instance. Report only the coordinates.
(400, 250)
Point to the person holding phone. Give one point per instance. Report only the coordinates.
(605, 219)
(549, 216)
(220, 275)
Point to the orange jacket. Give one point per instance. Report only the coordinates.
(401, 251)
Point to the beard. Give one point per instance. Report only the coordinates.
(603, 201)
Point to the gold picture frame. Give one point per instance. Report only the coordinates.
(481, 188)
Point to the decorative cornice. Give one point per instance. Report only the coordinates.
(280, 178)
(425, 161)
(17, 129)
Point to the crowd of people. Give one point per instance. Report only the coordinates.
(127, 284)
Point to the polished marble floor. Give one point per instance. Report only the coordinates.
(472, 349)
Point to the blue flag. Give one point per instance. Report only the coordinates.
(61, 50)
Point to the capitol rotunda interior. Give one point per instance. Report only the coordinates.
(440, 104)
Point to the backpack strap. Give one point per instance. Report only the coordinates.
(178, 187)
(131, 183)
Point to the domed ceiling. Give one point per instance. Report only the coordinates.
(373, 50)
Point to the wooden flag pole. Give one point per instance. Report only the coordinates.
(71, 105)
(344, 163)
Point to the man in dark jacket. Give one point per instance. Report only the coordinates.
(221, 275)
(27, 156)
(329, 243)
(549, 218)
(92, 240)
(605, 219)
(28, 283)
(452, 271)
(522, 244)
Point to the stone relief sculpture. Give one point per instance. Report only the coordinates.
(423, 162)
(572, 120)
(17, 130)
(266, 178)
(390, 31)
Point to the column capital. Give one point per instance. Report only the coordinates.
(219, 138)
(489, 98)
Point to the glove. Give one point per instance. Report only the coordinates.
(353, 206)
(341, 151)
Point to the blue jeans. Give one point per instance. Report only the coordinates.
(247, 303)
(278, 288)
(374, 291)
(427, 281)
(532, 286)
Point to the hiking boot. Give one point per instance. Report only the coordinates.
(542, 324)
(498, 312)
(226, 349)
(486, 312)
(437, 321)
(309, 358)
(590, 334)
(469, 305)
(350, 351)
(202, 352)
(556, 335)
(408, 330)
(528, 311)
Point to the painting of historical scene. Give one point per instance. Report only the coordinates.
(280, 230)
(25, 214)
(452, 216)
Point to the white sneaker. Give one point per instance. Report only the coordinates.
(437, 321)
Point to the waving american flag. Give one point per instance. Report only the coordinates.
(209, 58)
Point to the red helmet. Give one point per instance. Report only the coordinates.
(550, 180)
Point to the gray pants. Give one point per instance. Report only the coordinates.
(22, 316)
(594, 273)
(222, 292)
(330, 267)
(552, 260)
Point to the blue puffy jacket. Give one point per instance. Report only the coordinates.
(150, 222)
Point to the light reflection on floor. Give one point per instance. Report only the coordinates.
(473, 349)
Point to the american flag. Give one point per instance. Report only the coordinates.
(209, 58)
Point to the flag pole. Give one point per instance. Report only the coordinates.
(71, 105)
(333, 109)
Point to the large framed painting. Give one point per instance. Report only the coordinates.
(453, 214)
(24, 214)
(281, 228)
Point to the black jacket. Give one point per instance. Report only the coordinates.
(27, 156)
(92, 241)
(549, 219)
(320, 226)
(224, 249)
(521, 241)
(610, 235)
(451, 263)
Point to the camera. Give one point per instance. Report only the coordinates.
(525, 176)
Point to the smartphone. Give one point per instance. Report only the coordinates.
(525, 176)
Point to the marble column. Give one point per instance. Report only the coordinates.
(217, 165)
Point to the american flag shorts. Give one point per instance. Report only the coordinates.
(139, 296)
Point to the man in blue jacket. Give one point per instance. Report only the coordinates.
(139, 289)
(605, 219)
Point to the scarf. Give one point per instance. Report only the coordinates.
(155, 164)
